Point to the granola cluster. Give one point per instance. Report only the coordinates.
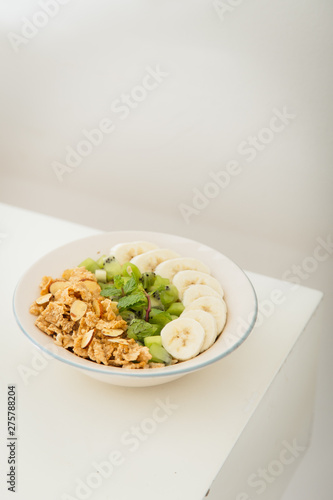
(73, 312)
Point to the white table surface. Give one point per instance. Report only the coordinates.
(67, 421)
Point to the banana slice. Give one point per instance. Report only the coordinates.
(148, 261)
(196, 291)
(208, 323)
(124, 252)
(171, 267)
(185, 279)
(183, 338)
(212, 305)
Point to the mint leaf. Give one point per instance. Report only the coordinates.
(136, 299)
(111, 291)
(118, 281)
(130, 286)
(139, 329)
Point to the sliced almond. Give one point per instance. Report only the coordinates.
(58, 285)
(43, 299)
(115, 332)
(87, 338)
(78, 310)
(114, 306)
(92, 286)
(97, 307)
(119, 341)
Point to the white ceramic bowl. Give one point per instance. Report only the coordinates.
(240, 298)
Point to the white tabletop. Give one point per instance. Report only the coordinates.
(168, 441)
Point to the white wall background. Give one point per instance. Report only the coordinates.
(228, 68)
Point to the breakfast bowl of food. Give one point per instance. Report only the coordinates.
(135, 308)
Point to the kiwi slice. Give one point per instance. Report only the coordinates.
(90, 264)
(155, 339)
(159, 354)
(112, 267)
(176, 309)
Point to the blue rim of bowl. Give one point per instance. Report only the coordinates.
(160, 372)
